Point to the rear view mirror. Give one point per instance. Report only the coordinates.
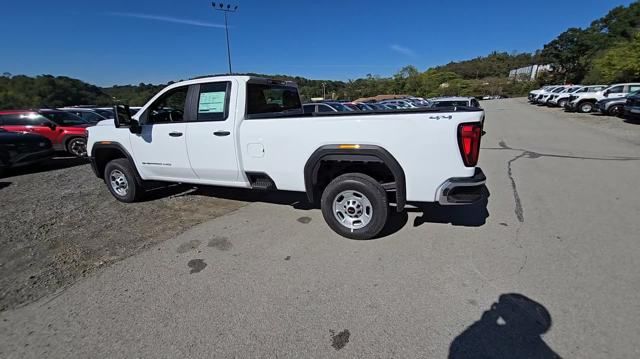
(122, 116)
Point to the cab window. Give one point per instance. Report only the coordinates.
(168, 108)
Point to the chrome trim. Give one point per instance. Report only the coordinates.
(456, 182)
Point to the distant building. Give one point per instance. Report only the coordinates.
(528, 73)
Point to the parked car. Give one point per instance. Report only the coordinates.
(543, 96)
(352, 106)
(351, 162)
(91, 115)
(399, 103)
(552, 99)
(419, 101)
(21, 149)
(563, 98)
(378, 106)
(614, 106)
(632, 107)
(454, 101)
(586, 102)
(533, 94)
(67, 132)
(325, 107)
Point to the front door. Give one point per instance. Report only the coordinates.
(160, 150)
(211, 137)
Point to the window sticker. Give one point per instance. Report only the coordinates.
(211, 102)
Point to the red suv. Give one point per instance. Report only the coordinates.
(66, 131)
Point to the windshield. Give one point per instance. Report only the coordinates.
(63, 118)
(105, 113)
(340, 107)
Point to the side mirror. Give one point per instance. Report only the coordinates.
(51, 125)
(122, 118)
(605, 94)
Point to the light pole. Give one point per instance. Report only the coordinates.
(323, 91)
(226, 9)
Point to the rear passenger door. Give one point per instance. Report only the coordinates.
(211, 133)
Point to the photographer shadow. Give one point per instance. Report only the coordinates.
(512, 328)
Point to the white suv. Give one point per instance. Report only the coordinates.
(586, 102)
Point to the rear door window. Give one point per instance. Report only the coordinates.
(213, 101)
(634, 88)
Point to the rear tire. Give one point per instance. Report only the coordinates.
(355, 206)
(77, 146)
(122, 182)
(616, 110)
(585, 107)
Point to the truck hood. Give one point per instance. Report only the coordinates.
(108, 122)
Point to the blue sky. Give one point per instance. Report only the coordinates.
(123, 42)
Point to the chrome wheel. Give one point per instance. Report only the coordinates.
(352, 209)
(586, 107)
(119, 182)
(78, 147)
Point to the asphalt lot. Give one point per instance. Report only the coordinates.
(548, 267)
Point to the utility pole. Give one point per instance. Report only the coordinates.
(323, 91)
(226, 9)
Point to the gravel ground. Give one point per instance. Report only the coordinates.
(59, 223)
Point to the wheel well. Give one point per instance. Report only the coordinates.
(103, 156)
(328, 170)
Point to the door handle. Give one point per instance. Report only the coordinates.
(175, 134)
(222, 133)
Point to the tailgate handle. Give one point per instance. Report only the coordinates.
(222, 133)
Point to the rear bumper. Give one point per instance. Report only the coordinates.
(462, 190)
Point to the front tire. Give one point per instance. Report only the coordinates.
(121, 181)
(585, 107)
(561, 103)
(355, 206)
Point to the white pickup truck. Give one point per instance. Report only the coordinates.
(241, 131)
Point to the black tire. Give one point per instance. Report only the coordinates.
(616, 110)
(128, 190)
(372, 192)
(561, 103)
(77, 146)
(585, 107)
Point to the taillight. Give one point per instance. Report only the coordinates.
(469, 142)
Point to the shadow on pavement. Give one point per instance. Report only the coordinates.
(469, 215)
(4, 184)
(473, 215)
(55, 163)
(297, 200)
(512, 328)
